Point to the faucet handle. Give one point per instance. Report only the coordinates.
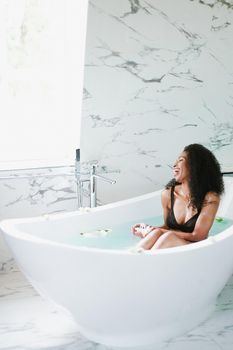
(98, 176)
(93, 168)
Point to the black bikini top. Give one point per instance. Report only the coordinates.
(171, 222)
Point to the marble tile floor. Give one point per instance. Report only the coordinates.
(28, 322)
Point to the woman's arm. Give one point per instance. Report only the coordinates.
(205, 219)
(165, 200)
(142, 230)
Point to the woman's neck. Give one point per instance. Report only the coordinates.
(185, 189)
(185, 192)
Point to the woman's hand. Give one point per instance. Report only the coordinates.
(142, 230)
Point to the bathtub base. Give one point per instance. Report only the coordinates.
(148, 337)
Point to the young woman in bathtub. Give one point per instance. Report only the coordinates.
(190, 201)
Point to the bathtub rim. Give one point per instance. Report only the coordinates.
(9, 228)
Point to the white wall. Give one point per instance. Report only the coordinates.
(158, 76)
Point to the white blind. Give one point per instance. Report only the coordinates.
(42, 45)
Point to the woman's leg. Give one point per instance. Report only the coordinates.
(150, 239)
(169, 240)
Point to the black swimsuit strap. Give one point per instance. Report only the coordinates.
(172, 197)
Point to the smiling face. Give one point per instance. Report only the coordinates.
(181, 169)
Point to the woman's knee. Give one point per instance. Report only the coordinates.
(166, 240)
(169, 240)
(150, 239)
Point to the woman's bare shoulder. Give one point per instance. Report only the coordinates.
(211, 197)
(166, 195)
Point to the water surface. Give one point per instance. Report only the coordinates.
(120, 236)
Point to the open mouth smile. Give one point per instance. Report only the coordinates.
(176, 172)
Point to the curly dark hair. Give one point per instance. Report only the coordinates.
(205, 174)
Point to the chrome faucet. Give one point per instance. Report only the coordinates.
(93, 184)
(80, 189)
(91, 177)
(79, 181)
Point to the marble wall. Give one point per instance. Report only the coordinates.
(37, 192)
(32, 193)
(158, 76)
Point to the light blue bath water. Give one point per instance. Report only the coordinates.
(121, 237)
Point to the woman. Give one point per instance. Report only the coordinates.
(190, 201)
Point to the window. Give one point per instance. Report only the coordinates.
(42, 46)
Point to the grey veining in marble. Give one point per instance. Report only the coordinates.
(35, 192)
(45, 187)
(158, 76)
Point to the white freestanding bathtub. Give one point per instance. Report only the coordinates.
(122, 298)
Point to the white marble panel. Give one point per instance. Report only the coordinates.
(34, 193)
(158, 76)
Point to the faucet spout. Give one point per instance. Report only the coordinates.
(93, 185)
(105, 179)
